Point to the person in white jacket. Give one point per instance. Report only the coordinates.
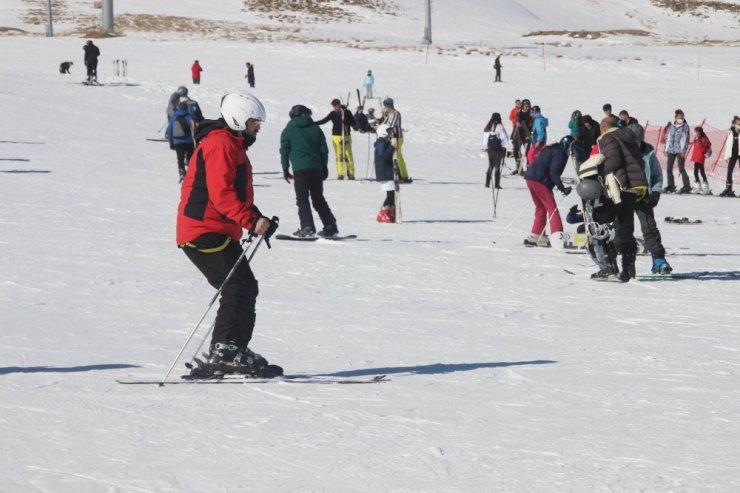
(495, 141)
(732, 150)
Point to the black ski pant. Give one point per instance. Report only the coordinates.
(681, 170)
(495, 159)
(498, 75)
(650, 232)
(699, 170)
(730, 167)
(92, 70)
(309, 183)
(183, 151)
(625, 224)
(236, 311)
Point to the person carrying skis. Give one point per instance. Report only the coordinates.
(384, 149)
(195, 71)
(181, 92)
(391, 116)
(92, 53)
(731, 154)
(542, 175)
(216, 204)
(179, 133)
(495, 140)
(645, 207)
(676, 145)
(342, 122)
(368, 82)
(702, 149)
(303, 145)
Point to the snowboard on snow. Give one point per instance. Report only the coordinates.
(705, 275)
(314, 238)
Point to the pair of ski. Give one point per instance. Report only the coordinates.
(246, 379)
(314, 238)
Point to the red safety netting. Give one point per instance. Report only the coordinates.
(715, 165)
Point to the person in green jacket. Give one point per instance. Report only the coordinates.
(303, 145)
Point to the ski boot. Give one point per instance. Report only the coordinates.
(727, 193)
(537, 240)
(706, 190)
(329, 231)
(628, 267)
(305, 232)
(226, 358)
(669, 189)
(660, 266)
(386, 215)
(684, 190)
(605, 274)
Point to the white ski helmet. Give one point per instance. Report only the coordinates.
(383, 131)
(237, 108)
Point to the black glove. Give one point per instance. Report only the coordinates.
(565, 190)
(324, 173)
(652, 199)
(287, 176)
(274, 223)
(573, 210)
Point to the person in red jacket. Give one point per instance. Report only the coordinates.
(702, 150)
(195, 70)
(216, 204)
(512, 114)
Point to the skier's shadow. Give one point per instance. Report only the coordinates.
(62, 369)
(436, 368)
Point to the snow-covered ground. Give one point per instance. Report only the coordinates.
(506, 372)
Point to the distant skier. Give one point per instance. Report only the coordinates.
(495, 140)
(64, 67)
(392, 117)
(303, 145)
(384, 150)
(702, 149)
(91, 61)
(368, 83)
(342, 122)
(497, 67)
(520, 138)
(195, 71)
(732, 154)
(250, 74)
(179, 133)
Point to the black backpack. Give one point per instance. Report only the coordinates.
(494, 143)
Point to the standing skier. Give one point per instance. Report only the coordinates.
(392, 117)
(495, 140)
(179, 133)
(195, 71)
(521, 135)
(250, 74)
(303, 145)
(368, 82)
(542, 175)
(342, 122)
(701, 150)
(497, 67)
(384, 150)
(91, 61)
(731, 154)
(216, 204)
(676, 144)
(181, 92)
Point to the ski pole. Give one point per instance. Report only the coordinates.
(213, 300)
(162, 127)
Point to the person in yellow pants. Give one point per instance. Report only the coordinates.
(342, 122)
(392, 118)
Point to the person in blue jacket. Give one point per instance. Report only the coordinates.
(538, 137)
(542, 175)
(368, 82)
(180, 136)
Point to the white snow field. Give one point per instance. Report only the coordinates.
(505, 371)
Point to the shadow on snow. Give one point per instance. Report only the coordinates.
(436, 368)
(62, 369)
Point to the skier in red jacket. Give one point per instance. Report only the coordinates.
(195, 70)
(216, 204)
(701, 151)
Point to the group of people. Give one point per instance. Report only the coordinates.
(619, 177)
(196, 69)
(217, 204)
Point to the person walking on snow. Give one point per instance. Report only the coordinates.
(495, 141)
(702, 149)
(368, 82)
(676, 145)
(250, 74)
(542, 175)
(92, 53)
(342, 122)
(195, 71)
(181, 92)
(384, 149)
(731, 154)
(216, 205)
(497, 67)
(303, 145)
(392, 117)
(179, 133)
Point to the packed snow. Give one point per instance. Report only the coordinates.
(508, 369)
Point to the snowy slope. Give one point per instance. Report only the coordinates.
(507, 373)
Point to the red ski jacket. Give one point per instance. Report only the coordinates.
(701, 146)
(217, 194)
(196, 70)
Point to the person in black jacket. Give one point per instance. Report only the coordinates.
(91, 61)
(342, 122)
(384, 150)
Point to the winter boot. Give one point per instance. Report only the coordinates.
(605, 274)
(628, 267)
(305, 232)
(669, 189)
(660, 266)
(684, 190)
(706, 190)
(386, 214)
(329, 231)
(727, 193)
